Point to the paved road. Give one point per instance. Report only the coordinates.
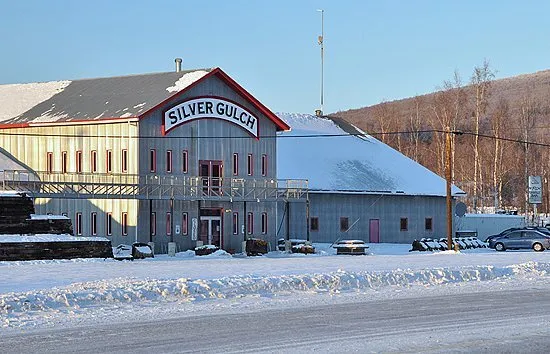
(506, 322)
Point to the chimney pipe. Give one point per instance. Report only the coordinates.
(178, 64)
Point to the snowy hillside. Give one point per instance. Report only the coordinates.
(348, 163)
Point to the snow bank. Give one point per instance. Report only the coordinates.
(77, 297)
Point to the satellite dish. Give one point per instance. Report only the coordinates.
(460, 209)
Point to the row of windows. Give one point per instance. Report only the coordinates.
(344, 224)
(79, 167)
(94, 225)
(153, 222)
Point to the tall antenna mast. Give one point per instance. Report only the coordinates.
(320, 40)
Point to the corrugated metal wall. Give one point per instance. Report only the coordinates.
(208, 139)
(360, 209)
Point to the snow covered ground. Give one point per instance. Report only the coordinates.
(38, 294)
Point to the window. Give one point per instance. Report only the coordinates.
(152, 160)
(314, 223)
(153, 223)
(264, 223)
(184, 224)
(78, 161)
(124, 224)
(93, 223)
(109, 158)
(109, 224)
(235, 223)
(184, 163)
(49, 162)
(404, 224)
(344, 224)
(93, 161)
(249, 166)
(169, 161)
(124, 161)
(264, 165)
(250, 223)
(64, 162)
(78, 221)
(428, 224)
(168, 223)
(235, 164)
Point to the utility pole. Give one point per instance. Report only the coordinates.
(448, 178)
(322, 44)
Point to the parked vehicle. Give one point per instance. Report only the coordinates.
(521, 239)
(504, 232)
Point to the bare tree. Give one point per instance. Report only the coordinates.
(481, 82)
(528, 113)
(499, 116)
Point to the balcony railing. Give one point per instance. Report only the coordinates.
(127, 186)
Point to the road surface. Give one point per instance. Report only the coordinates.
(495, 322)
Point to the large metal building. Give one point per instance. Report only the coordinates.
(190, 157)
(184, 157)
(359, 187)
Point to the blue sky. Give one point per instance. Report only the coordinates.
(374, 50)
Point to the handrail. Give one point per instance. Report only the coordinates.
(151, 186)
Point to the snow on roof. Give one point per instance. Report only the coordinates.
(347, 163)
(16, 99)
(91, 99)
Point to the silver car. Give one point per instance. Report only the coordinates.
(521, 239)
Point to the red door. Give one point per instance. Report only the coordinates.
(374, 230)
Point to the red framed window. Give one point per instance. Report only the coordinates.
(235, 164)
(264, 165)
(184, 224)
(109, 224)
(124, 161)
(314, 223)
(403, 224)
(185, 161)
(93, 223)
(344, 223)
(153, 223)
(78, 222)
(109, 161)
(49, 162)
(428, 224)
(78, 160)
(124, 223)
(249, 165)
(169, 161)
(235, 223)
(152, 160)
(250, 223)
(264, 223)
(93, 161)
(64, 162)
(168, 223)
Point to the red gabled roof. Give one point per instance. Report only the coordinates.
(281, 125)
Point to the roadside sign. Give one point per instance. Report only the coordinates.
(535, 190)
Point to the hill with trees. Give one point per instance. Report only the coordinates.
(500, 127)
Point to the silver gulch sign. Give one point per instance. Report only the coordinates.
(210, 107)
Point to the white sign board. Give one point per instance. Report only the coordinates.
(210, 108)
(535, 190)
(194, 227)
(178, 229)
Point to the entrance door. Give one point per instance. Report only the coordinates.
(211, 227)
(211, 176)
(374, 230)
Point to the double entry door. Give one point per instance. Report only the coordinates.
(211, 227)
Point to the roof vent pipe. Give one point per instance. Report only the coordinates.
(178, 64)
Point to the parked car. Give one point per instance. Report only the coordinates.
(504, 232)
(521, 239)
